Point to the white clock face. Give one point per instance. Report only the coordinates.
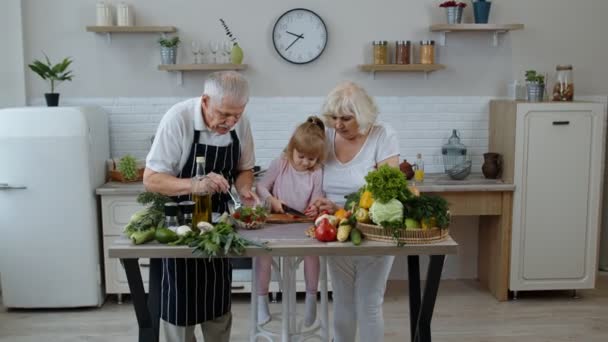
(299, 36)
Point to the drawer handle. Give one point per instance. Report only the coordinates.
(144, 265)
(561, 123)
(240, 287)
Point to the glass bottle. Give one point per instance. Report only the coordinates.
(202, 201)
(171, 221)
(454, 152)
(419, 169)
(563, 90)
(186, 208)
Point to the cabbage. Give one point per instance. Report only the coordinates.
(391, 211)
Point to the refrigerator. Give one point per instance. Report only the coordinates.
(51, 161)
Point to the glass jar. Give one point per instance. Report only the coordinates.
(402, 52)
(427, 52)
(380, 52)
(563, 90)
(454, 152)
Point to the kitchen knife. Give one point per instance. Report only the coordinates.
(292, 211)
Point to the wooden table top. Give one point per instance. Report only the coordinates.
(285, 240)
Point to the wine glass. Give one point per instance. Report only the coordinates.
(214, 46)
(195, 50)
(227, 49)
(203, 53)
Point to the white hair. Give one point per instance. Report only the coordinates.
(349, 98)
(227, 85)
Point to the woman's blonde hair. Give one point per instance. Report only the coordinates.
(349, 98)
(308, 139)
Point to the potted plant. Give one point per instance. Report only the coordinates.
(168, 50)
(481, 11)
(54, 73)
(535, 84)
(453, 11)
(127, 169)
(236, 55)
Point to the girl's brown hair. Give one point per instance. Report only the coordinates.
(308, 139)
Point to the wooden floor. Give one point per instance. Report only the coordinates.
(463, 313)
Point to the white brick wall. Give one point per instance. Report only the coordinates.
(423, 124)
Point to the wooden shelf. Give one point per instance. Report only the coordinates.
(426, 68)
(201, 67)
(495, 29)
(131, 29)
(180, 68)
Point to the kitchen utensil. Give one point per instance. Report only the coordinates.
(460, 171)
(235, 198)
(292, 211)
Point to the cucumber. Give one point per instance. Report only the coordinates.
(355, 236)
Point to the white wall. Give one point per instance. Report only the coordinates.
(557, 31)
(12, 79)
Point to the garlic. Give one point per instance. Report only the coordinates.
(183, 230)
(204, 226)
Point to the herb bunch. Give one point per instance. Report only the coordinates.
(221, 240)
(127, 166)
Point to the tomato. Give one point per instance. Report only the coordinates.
(236, 215)
(325, 231)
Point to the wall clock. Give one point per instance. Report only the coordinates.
(299, 36)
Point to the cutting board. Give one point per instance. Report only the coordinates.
(286, 218)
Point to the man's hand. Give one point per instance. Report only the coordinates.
(210, 184)
(248, 197)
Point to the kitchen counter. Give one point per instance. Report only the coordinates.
(435, 182)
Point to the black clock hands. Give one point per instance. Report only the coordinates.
(290, 45)
(297, 35)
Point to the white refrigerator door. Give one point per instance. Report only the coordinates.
(49, 250)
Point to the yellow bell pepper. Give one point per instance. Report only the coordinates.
(341, 214)
(366, 200)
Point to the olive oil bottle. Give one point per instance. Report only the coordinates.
(202, 201)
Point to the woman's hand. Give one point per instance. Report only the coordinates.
(312, 211)
(323, 204)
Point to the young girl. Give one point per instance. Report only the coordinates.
(294, 179)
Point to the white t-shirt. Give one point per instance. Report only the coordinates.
(175, 133)
(340, 179)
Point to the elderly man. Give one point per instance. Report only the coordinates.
(197, 291)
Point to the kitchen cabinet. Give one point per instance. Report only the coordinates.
(554, 154)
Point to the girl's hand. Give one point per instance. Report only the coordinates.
(276, 206)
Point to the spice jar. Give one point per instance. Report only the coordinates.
(402, 52)
(380, 52)
(427, 52)
(563, 90)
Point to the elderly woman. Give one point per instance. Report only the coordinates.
(357, 144)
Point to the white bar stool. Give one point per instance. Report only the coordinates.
(292, 329)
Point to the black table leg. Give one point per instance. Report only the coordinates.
(413, 274)
(154, 284)
(423, 332)
(138, 294)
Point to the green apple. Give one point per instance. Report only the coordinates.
(410, 223)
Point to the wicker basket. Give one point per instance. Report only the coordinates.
(407, 236)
